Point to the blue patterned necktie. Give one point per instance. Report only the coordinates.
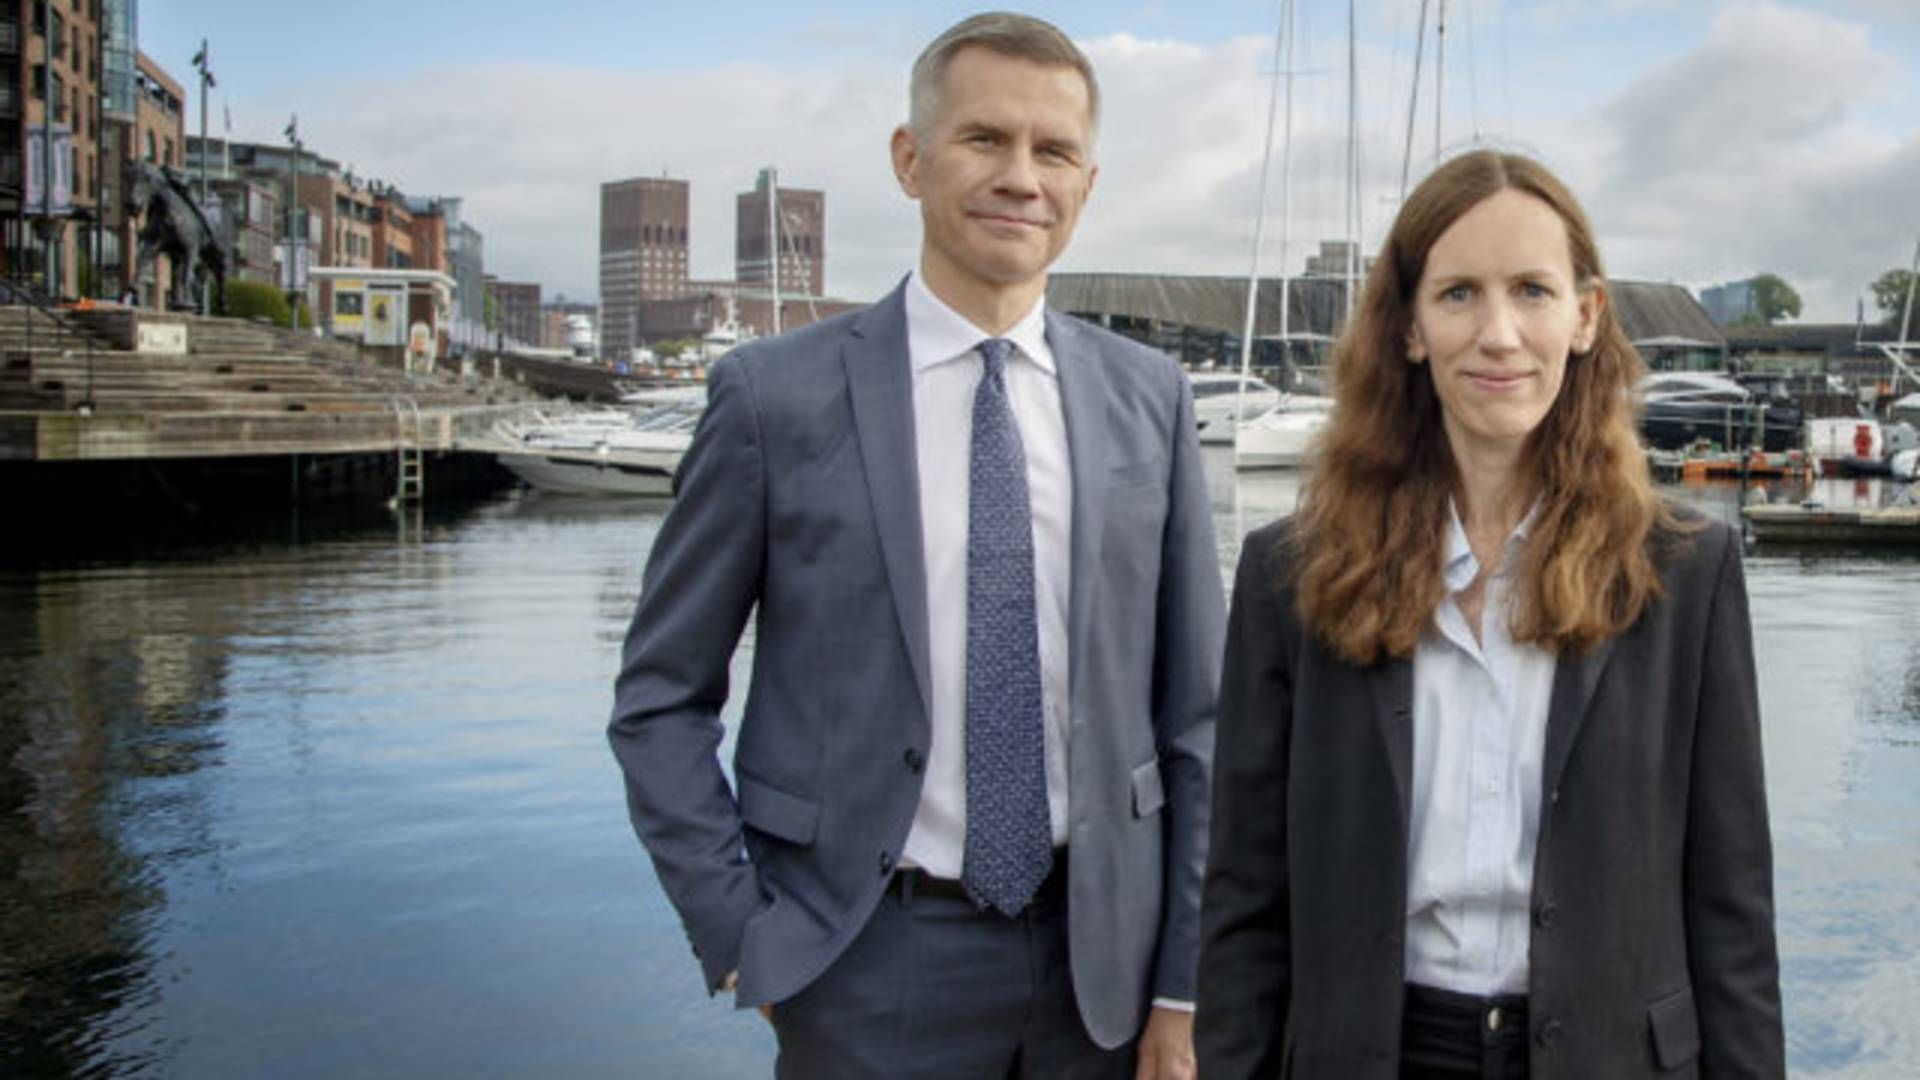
(1009, 838)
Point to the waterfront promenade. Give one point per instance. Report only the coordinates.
(315, 795)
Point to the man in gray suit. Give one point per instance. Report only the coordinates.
(966, 827)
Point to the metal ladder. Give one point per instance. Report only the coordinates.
(410, 478)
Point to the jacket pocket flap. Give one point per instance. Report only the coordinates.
(1148, 795)
(776, 813)
(1676, 1029)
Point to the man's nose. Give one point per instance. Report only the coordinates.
(1018, 176)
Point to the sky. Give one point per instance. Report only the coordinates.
(1709, 140)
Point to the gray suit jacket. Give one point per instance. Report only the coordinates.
(799, 501)
(1652, 951)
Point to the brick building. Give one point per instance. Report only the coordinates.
(52, 82)
(518, 305)
(643, 255)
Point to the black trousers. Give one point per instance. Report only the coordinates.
(1450, 1036)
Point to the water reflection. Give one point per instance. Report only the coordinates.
(335, 800)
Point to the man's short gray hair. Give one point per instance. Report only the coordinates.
(1008, 34)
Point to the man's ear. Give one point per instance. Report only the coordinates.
(906, 154)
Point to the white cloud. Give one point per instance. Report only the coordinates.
(1747, 153)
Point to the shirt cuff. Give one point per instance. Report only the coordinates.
(732, 982)
(1170, 1003)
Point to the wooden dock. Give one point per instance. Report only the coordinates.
(82, 390)
(1813, 524)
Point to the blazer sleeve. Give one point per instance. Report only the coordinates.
(1732, 959)
(1189, 619)
(701, 582)
(1245, 979)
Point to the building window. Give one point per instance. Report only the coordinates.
(153, 152)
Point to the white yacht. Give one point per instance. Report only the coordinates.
(1283, 437)
(1219, 397)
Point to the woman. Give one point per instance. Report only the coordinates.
(1488, 795)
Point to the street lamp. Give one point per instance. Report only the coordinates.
(293, 221)
(206, 80)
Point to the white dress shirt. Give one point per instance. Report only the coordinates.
(1479, 736)
(946, 372)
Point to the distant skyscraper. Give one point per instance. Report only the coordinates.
(1729, 303)
(803, 252)
(643, 254)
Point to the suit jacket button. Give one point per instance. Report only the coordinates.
(915, 762)
(886, 863)
(1544, 914)
(1549, 1032)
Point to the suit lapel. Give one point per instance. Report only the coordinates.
(1575, 678)
(880, 384)
(1392, 686)
(1083, 399)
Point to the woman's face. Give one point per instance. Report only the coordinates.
(1495, 315)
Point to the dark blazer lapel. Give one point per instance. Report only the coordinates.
(880, 384)
(1083, 399)
(1575, 678)
(1392, 686)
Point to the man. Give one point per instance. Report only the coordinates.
(968, 821)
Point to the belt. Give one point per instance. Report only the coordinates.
(911, 882)
(1444, 1027)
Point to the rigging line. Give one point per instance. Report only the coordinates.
(1506, 72)
(1473, 75)
(1413, 98)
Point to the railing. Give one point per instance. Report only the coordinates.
(17, 292)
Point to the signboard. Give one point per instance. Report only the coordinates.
(169, 339)
(36, 205)
(349, 306)
(386, 322)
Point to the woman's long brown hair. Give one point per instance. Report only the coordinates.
(1370, 533)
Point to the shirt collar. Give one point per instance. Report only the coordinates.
(1460, 565)
(936, 333)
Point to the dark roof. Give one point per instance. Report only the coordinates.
(1211, 302)
(1207, 302)
(1656, 309)
(1807, 337)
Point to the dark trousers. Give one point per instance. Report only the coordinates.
(935, 988)
(1450, 1036)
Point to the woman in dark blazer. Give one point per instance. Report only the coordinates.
(1488, 797)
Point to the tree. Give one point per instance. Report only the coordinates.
(1774, 299)
(1890, 294)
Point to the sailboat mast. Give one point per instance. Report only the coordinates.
(1259, 227)
(1913, 278)
(1353, 158)
(1286, 210)
(1439, 77)
(1413, 98)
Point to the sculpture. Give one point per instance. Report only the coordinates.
(173, 225)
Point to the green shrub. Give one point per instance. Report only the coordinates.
(246, 299)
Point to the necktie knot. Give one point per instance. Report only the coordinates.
(995, 352)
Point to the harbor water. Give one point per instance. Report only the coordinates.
(322, 797)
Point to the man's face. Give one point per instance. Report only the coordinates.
(1002, 171)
